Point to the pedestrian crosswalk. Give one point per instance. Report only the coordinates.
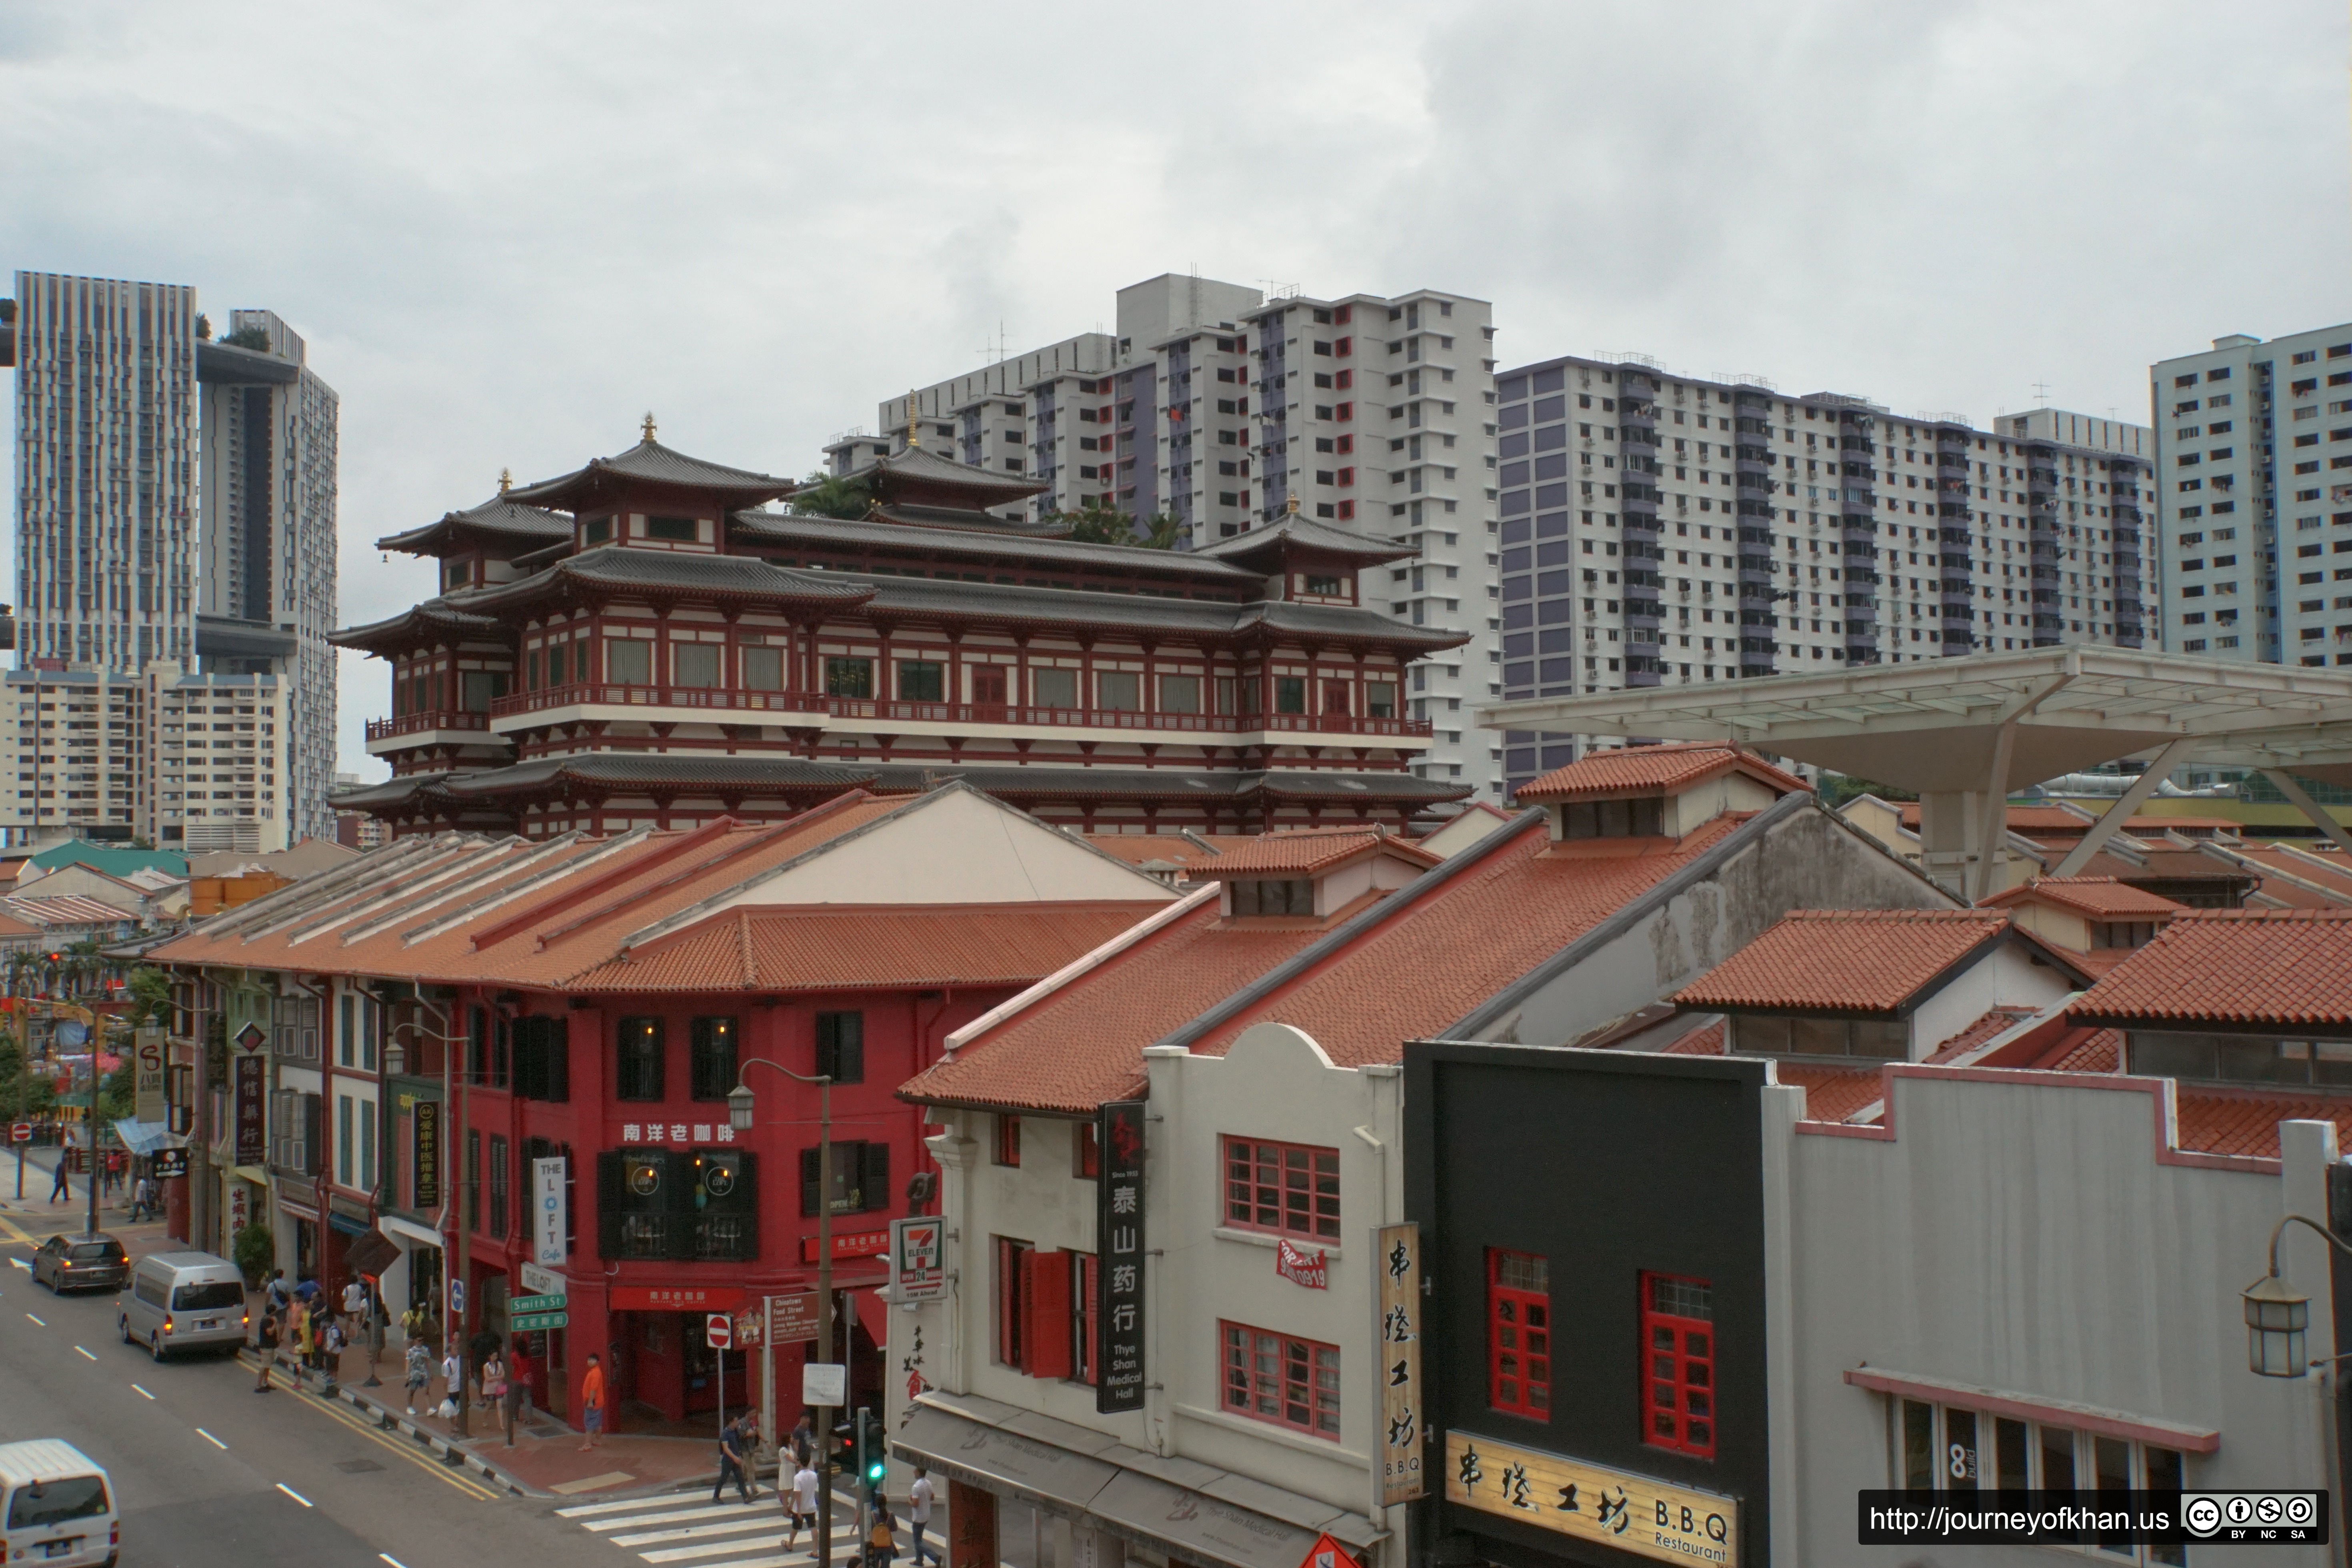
(691, 1529)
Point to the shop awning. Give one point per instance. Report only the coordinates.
(147, 1137)
(1194, 1512)
(408, 1230)
(254, 1174)
(350, 1225)
(875, 1313)
(372, 1254)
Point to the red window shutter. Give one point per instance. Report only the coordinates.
(1045, 1333)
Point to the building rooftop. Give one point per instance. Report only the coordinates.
(2258, 969)
(1664, 769)
(648, 463)
(2100, 897)
(1848, 961)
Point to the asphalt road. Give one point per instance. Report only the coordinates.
(209, 1474)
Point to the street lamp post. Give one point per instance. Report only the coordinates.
(739, 1116)
(2277, 1314)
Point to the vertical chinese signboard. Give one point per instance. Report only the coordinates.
(249, 1076)
(1396, 1254)
(426, 1164)
(1118, 1240)
(147, 1084)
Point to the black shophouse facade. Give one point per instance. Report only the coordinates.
(1595, 1361)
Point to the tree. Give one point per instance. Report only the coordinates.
(1109, 525)
(150, 996)
(254, 1250)
(1836, 789)
(204, 327)
(255, 338)
(831, 495)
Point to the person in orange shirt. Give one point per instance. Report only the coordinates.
(592, 1406)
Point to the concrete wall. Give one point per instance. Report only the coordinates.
(2020, 1233)
(1809, 860)
(2007, 977)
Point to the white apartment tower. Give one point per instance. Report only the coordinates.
(2254, 462)
(106, 470)
(1660, 528)
(270, 435)
(1224, 410)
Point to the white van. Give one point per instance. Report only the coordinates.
(56, 1507)
(185, 1300)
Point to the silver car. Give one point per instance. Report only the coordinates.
(185, 1300)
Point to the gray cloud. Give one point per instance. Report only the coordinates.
(508, 231)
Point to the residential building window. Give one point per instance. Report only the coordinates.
(1282, 1380)
(1518, 1334)
(1119, 691)
(1290, 694)
(1008, 1141)
(712, 1062)
(1083, 1342)
(841, 1046)
(2238, 1059)
(1012, 1276)
(473, 1179)
(1292, 896)
(367, 1144)
(676, 530)
(1878, 1038)
(1679, 1339)
(1641, 817)
(638, 1070)
(1379, 699)
(1180, 694)
(344, 1133)
(500, 1197)
(694, 663)
(346, 1037)
(1054, 688)
(1291, 1189)
(860, 1178)
(849, 677)
(1953, 1449)
(370, 1032)
(1086, 1153)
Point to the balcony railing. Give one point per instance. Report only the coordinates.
(887, 709)
(431, 719)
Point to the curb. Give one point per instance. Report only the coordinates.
(390, 1421)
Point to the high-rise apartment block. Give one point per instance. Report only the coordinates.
(1660, 528)
(1225, 411)
(269, 430)
(2253, 459)
(106, 470)
(162, 476)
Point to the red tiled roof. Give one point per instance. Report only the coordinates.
(1308, 854)
(1843, 960)
(1409, 975)
(2274, 967)
(620, 890)
(837, 947)
(1661, 768)
(1706, 1041)
(2213, 1121)
(2101, 897)
(1137, 849)
(1082, 1045)
(2028, 820)
(1999, 1021)
(1833, 1093)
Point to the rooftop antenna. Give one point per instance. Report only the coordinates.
(2041, 393)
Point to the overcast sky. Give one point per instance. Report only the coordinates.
(510, 229)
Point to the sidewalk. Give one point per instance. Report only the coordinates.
(545, 1459)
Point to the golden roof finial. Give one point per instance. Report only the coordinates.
(1291, 506)
(506, 481)
(914, 433)
(649, 423)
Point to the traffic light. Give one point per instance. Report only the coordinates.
(845, 1449)
(873, 1459)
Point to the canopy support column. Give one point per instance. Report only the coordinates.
(2310, 807)
(2115, 817)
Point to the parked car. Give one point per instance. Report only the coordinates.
(91, 1262)
(56, 1506)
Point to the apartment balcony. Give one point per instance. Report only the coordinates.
(429, 727)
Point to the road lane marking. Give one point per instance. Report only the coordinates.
(36, 1319)
(85, 1355)
(407, 1450)
(213, 1440)
(140, 1392)
(297, 1497)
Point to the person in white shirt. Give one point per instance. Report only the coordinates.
(354, 1309)
(800, 1504)
(918, 1514)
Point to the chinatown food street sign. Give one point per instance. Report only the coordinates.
(1634, 1513)
(1404, 1438)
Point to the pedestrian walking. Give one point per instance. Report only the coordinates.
(919, 1514)
(59, 1190)
(881, 1547)
(420, 1371)
(149, 1203)
(265, 1345)
(303, 1343)
(453, 1383)
(279, 1297)
(355, 1301)
(591, 1405)
(730, 1461)
(800, 1502)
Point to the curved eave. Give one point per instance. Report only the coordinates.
(559, 586)
(456, 532)
(415, 626)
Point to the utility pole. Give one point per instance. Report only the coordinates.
(825, 1304)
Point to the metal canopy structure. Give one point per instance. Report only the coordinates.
(1961, 731)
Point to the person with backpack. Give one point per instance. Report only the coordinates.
(265, 1345)
(881, 1546)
